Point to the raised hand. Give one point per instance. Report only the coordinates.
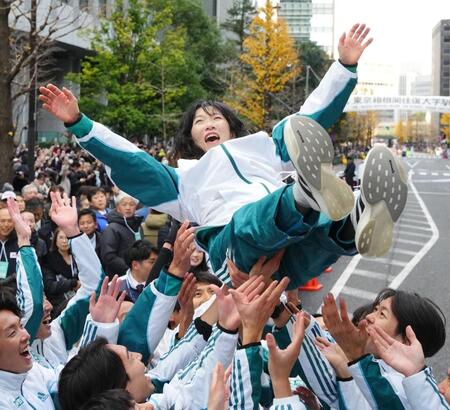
(255, 309)
(281, 362)
(335, 355)
(64, 213)
(350, 338)
(23, 231)
(219, 392)
(61, 103)
(237, 277)
(182, 250)
(407, 359)
(106, 308)
(352, 45)
(185, 299)
(267, 267)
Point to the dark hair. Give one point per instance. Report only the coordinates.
(139, 251)
(114, 399)
(184, 146)
(53, 246)
(207, 277)
(361, 312)
(87, 211)
(8, 301)
(55, 188)
(423, 315)
(94, 191)
(94, 370)
(32, 204)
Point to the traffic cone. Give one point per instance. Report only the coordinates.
(328, 270)
(312, 285)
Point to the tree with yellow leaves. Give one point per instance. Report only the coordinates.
(271, 61)
(445, 125)
(400, 132)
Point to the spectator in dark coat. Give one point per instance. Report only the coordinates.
(8, 245)
(60, 273)
(98, 203)
(88, 225)
(123, 230)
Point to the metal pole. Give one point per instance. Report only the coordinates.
(307, 82)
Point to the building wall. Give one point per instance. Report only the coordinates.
(297, 15)
(440, 65)
(322, 24)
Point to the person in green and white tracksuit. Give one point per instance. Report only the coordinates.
(51, 342)
(235, 192)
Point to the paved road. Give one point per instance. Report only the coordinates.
(420, 258)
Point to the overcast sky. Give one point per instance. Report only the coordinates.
(401, 29)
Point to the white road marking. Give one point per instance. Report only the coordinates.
(409, 241)
(421, 228)
(403, 251)
(431, 181)
(416, 221)
(340, 283)
(422, 235)
(387, 261)
(362, 294)
(373, 275)
(434, 193)
(408, 266)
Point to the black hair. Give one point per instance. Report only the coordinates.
(114, 399)
(139, 251)
(207, 277)
(361, 312)
(423, 315)
(87, 211)
(8, 301)
(184, 146)
(33, 204)
(53, 247)
(94, 191)
(94, 370)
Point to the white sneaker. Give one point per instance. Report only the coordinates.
(311, 151)
(384, 191)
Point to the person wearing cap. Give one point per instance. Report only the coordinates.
(124, 228)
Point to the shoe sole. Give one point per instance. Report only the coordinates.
(384, 191)
(311, 151)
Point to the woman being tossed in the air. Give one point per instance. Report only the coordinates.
(233, 187)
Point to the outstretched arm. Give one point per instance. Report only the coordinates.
(132, 170)
(30, 290)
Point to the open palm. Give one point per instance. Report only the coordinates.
(407, 359)
(22, 228)
(63, 212)
(352, 45)
(60, 103)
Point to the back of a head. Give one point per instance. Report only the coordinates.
(94, 370)
(423, 315)
(115, 399)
